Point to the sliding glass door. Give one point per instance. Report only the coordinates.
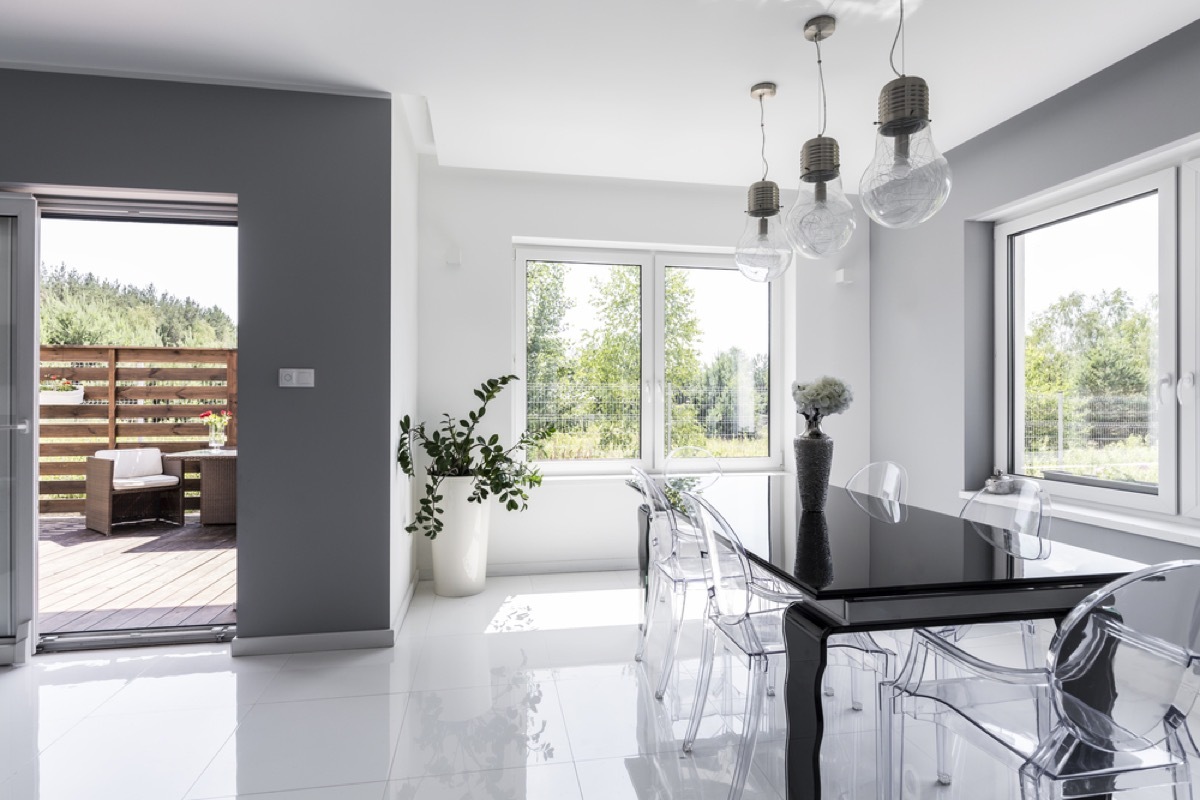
(18, 406)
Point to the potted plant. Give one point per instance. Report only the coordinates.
(217, 423)
(57, 391)
(813, 447)
(464, 469)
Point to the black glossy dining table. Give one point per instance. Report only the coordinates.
(906, 568)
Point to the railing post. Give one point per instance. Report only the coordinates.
(1060, 428)
(231, 393)
(112, 398)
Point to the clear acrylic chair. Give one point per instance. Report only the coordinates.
(1013, 517)
(675, 563)
(745, 612)
(880, 489)
(1122, 675)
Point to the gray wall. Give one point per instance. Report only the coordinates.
(931, 287)
(312, 176)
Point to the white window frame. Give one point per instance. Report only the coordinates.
(1186, 393)
(1009, 358)
(653, 264)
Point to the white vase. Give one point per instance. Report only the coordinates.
(460, 550)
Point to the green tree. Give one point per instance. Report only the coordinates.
(546, 305)
(83, 309)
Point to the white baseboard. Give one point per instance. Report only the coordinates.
(405, 602)
(544, 567)
(312, 642)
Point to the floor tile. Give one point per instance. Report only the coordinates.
(500, 607)
(355, 791)
(667, 775)
(482, 728)
(130, 756)
(575, 581)
(355, 674)
(306, 744)
(614, 716)
(542, 782)
(181, 692)
(480, 659)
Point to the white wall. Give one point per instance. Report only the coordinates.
(403, 348)
(467, 318)
(931, 346)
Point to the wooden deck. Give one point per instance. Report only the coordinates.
(145, 575)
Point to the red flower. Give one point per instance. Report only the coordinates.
(206, 414)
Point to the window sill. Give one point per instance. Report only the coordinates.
(621, 476)
(1179, 530)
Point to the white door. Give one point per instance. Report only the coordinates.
(19, 336)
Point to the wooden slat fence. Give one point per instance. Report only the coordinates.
(132, 397)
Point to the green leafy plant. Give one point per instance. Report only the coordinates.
(455, 450)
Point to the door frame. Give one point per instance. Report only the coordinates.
(18, 648)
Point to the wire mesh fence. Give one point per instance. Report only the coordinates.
(1106, 436)
(605, 420)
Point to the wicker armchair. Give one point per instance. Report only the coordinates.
(132, 485)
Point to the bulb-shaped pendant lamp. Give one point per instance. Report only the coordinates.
(908, 180)
(763, 252)
(821, 221)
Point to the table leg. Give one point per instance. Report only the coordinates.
(218, 491)
(805, 644)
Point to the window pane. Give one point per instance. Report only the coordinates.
(1091, 346)
(717, 344)
(583, 362)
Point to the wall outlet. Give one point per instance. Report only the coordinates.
(297, 378)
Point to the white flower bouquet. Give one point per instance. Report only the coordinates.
(822, 397)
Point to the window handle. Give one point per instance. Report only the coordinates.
(19, 427)
(1183, 390)
(1164, 383)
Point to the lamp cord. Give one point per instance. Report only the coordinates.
(823, 110)
(903, 49)
(762, 124)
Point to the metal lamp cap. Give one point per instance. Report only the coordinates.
(903, 106)
(763, 199)
(820, 160)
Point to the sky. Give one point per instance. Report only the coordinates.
(732, 310)
(1116, 247)
(196, 261)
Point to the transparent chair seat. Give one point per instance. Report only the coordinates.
(681, 569)
(1107, 713)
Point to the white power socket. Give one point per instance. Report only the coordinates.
(297, 378)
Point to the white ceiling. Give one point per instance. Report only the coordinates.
(650, 89)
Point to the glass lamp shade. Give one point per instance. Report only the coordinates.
(907, 181)
(763, 253)
(821, 221)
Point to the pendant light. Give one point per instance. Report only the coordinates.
(763, 252)
(908, 180)
(822, 220)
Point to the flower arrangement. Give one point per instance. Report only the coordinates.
(822, 397)
(215, 422)
(55, 383)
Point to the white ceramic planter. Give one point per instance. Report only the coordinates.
(460, 550)
(71, 398)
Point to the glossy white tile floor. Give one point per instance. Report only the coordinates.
(528, 690)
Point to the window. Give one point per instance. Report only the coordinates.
(631, 355)
(1086, 346)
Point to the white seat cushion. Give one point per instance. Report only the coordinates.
(144, 482)
(136, 463)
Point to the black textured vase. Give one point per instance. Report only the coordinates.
(814, 563)
(814, 459)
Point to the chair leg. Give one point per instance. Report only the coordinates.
(856, 678)
(827, 682)
(945, 748)
(886, 769)
(750, 722)
(1181, 774)
(651, 602)
(772, 677)
(680, 602)
(707, 654)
